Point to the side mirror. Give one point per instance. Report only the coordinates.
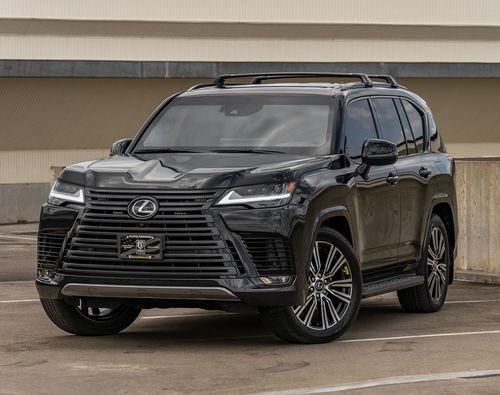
(379, 152)
(119, 147)
(376, 153)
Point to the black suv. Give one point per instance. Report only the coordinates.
(293, 199)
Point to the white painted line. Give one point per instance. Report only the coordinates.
(20, 301)
(420, 378)
(376, 339)
(17, 237)
(473, 301)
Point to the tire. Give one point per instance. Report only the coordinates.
(324, 317)
(429, 297)
(72, 319)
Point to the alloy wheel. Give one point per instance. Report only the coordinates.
(329, 288)
(436, 264)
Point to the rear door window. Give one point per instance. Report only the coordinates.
(389, 123)
(417, 124)
(359, 127)
(410, 141)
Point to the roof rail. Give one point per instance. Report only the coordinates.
(387, 78)
(259, 77)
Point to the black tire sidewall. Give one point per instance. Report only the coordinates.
(69, 319)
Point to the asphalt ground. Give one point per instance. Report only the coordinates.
(456, 350)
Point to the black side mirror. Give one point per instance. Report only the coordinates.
(119, 147)
(376, 153)
(379, 152)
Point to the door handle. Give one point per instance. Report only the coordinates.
(424, 172)
(392, 179)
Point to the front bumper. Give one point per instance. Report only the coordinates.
(245, 285)
(220, 290)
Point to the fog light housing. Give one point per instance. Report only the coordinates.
(276, 280)
(46, 273)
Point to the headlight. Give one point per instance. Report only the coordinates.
(62, 192)
(257, 196)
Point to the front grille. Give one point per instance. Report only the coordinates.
(193, 245)
(49, 247)
(271, 254)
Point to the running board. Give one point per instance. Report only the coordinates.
(391, 284)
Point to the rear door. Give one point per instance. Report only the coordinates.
(415, 171)
(377, 196)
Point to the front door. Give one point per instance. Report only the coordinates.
(379, 216)
(377, 195)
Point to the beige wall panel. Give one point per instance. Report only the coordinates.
(453, 12)
(466, 111)
(246, 49)
(19, 167)
(88, 113)
(64, 113)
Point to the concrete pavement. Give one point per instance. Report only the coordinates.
(192, 351)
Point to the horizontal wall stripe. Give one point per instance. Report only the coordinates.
(426, 12)
(247, 49)
(203, 69)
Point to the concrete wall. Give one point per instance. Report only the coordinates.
(21, 202)
(478, 189)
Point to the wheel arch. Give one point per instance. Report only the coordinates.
(339, 219)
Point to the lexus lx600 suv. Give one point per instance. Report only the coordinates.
(297, 199)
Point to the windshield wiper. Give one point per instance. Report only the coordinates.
(249, 150)
(162, 150)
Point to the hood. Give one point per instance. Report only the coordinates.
(193, 170)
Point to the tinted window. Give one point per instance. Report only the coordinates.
(390, 126)
(410, 142)
(359, 127)
(436, 142)
(285, 123)
(416, 123)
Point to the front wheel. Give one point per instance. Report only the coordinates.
(89, 321)
(333, 295)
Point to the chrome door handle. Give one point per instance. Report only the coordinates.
(424, 172)
(392, 179)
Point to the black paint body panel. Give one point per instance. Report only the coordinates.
(387, 223)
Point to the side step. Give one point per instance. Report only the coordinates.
(391, 284)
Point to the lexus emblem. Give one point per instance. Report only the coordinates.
(143, 207)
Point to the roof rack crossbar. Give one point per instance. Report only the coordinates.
(199, 86)
(259, 77)
(387, 78)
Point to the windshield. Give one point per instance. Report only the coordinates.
(291, 124)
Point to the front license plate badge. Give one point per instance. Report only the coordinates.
(141, 247)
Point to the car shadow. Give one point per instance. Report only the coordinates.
(192, 332)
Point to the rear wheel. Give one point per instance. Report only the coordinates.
(435, 267)
(89, 321)
(332, 298)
